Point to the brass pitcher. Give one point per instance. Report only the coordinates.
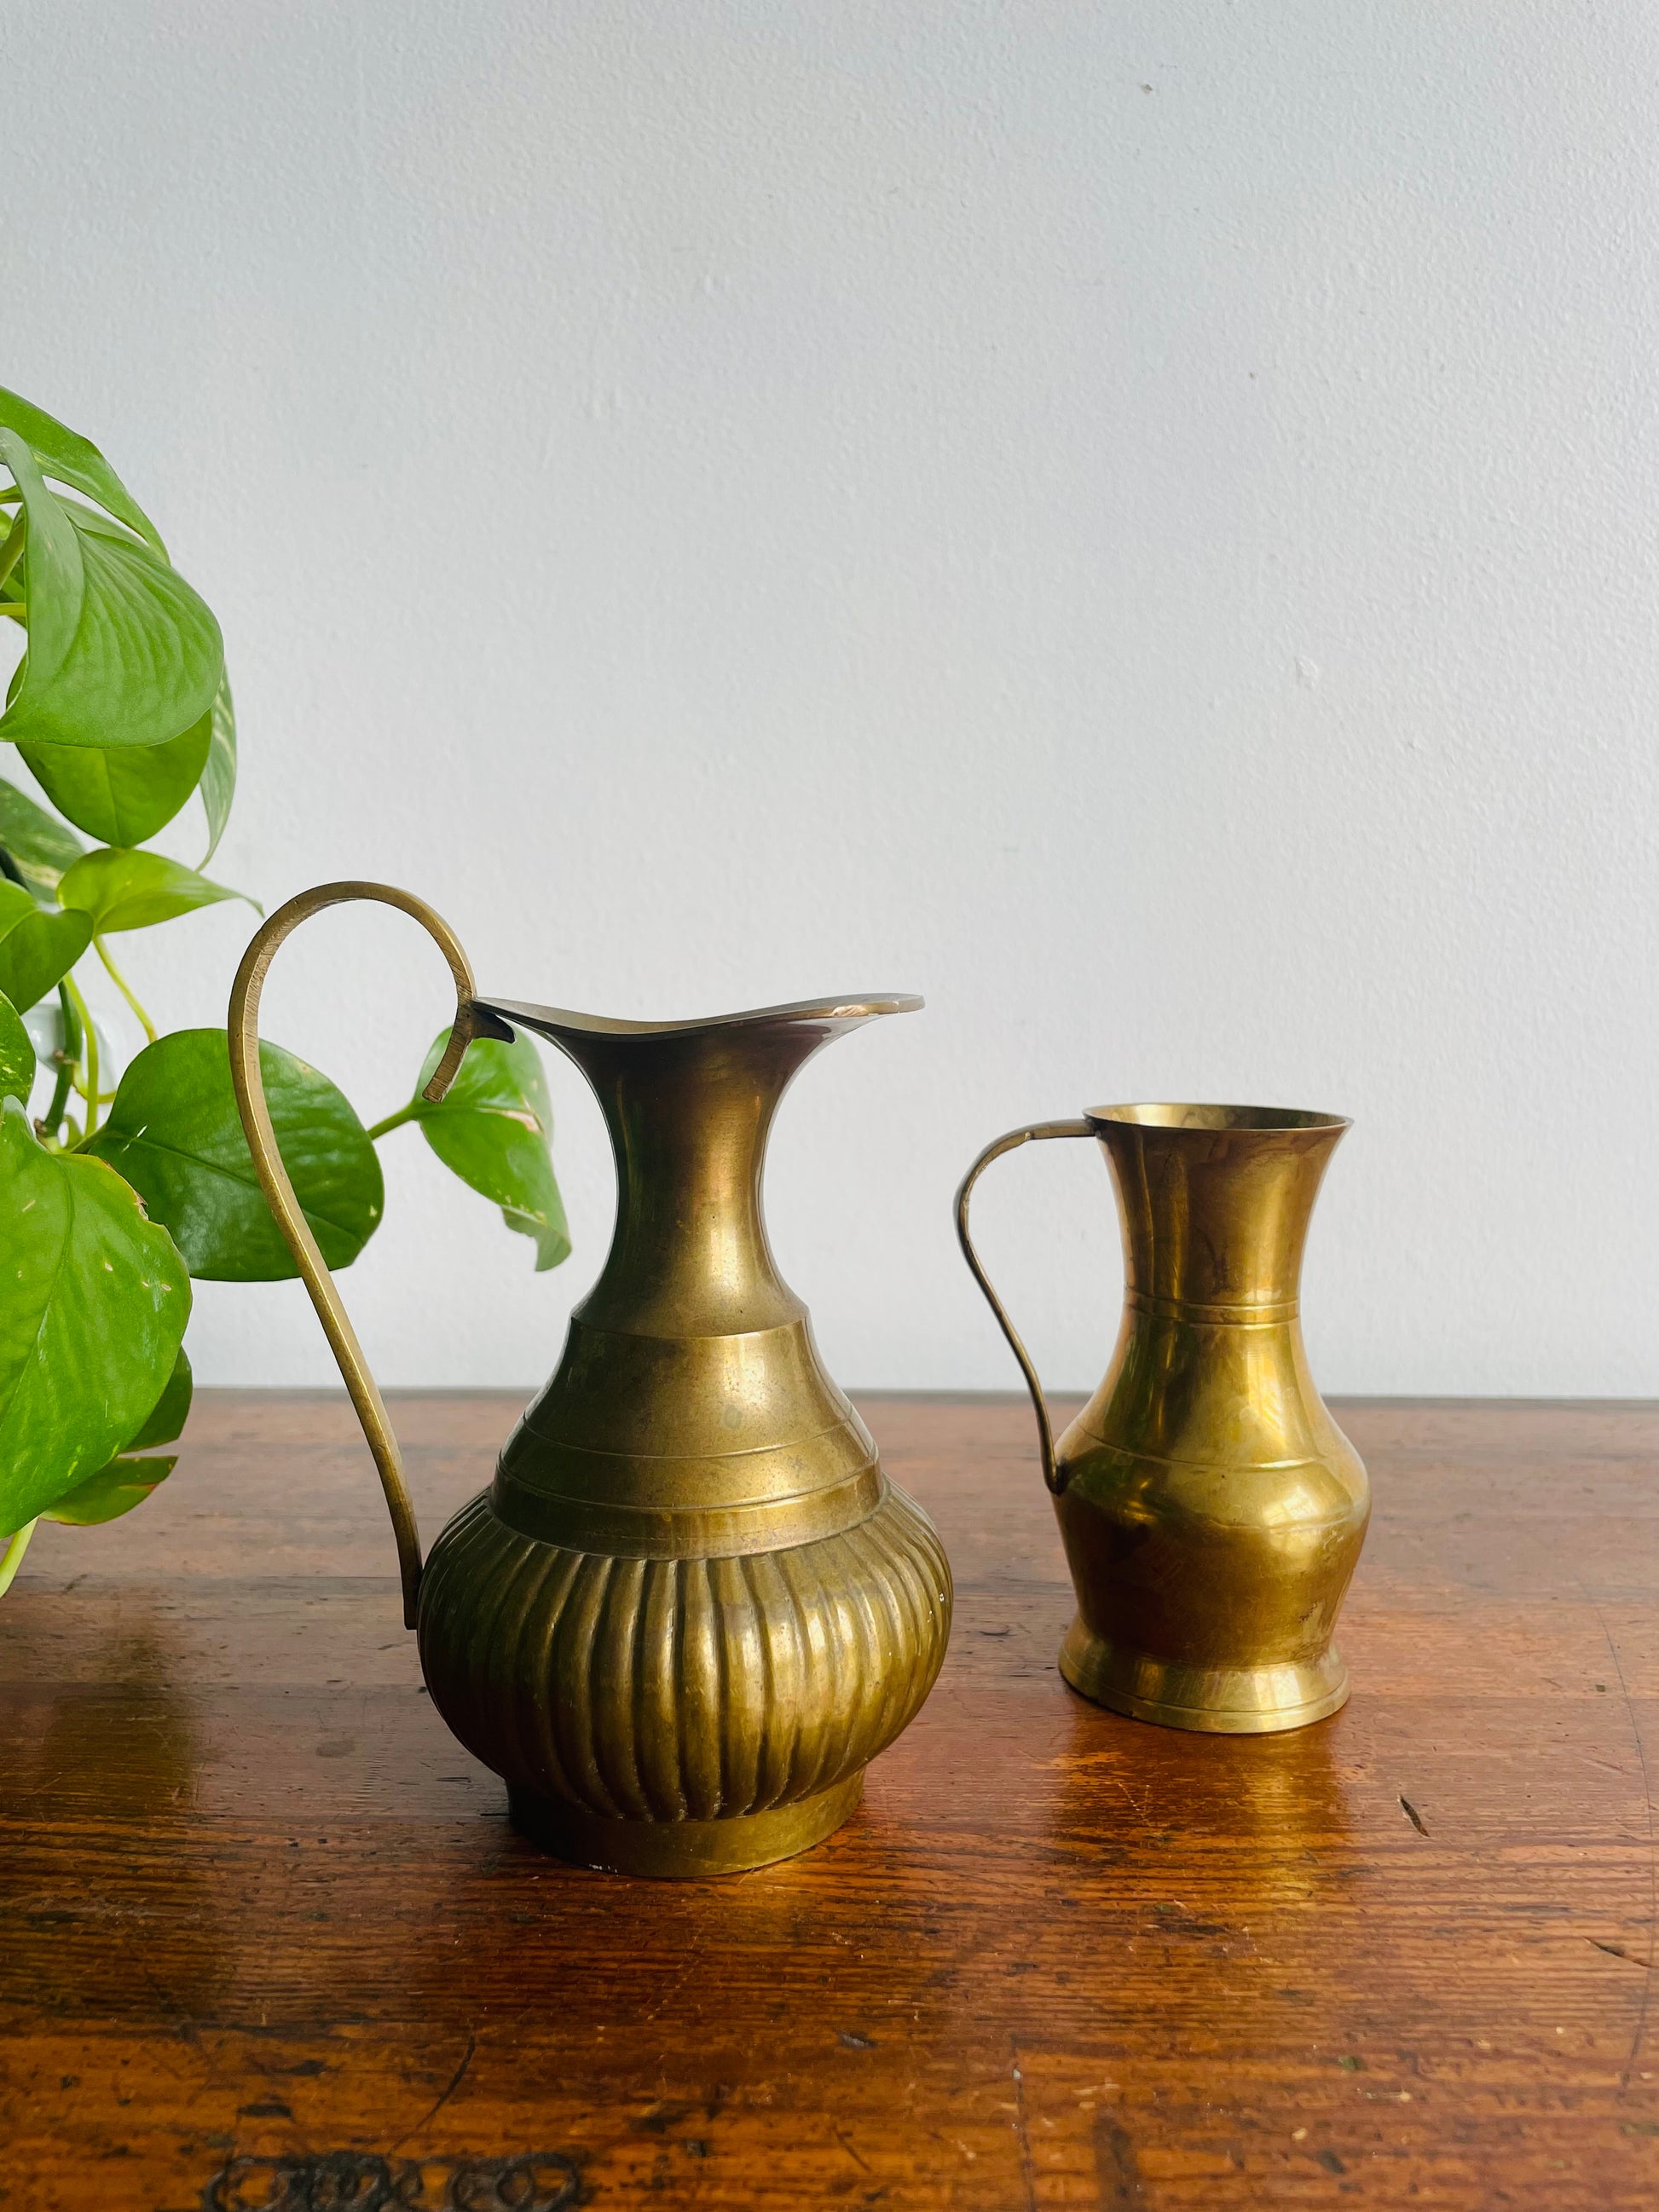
(1211, 1511)
(690, 1608)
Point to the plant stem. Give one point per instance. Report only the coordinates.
(15, 609)
(123, 987)
(12, 1557)
(409, 1113)
(91, 1039)
(69, 1052)
(12, 551)
(68, 1056)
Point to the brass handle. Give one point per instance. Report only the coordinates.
(471, 1021)
(1012, 1142)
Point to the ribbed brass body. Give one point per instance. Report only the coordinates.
(1212, 1512)
(691, 1607)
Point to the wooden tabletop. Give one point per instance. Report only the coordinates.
(267, 1941)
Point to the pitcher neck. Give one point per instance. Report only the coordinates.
(688, 1115)
(1215, 1220)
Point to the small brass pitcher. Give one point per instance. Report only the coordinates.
(1211, 1511)
(691, 1607)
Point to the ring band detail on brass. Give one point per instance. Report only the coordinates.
(657, 1532)
(1211, 1511)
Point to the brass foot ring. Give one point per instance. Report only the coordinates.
(1214, 1701)
(684, 1849)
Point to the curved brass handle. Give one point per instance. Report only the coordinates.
(1012, 1142)
(471, 1021)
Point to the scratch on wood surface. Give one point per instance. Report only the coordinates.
(455, 2081)
(851, 2150)
(1137, 1810)
(670, 1989)
(1020, 2132)
(1618, 1951)
(1413, 1815)
(1117, 2169)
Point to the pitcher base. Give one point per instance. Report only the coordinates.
(684, 1849)
(1220, 1700)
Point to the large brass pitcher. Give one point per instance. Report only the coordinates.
(690, 1607)
(1211, 1511)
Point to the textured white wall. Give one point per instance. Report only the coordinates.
(1136, 521)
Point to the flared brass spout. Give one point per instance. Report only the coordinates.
(688, 1106)
(562, 1025)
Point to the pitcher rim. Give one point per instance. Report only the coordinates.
(550, 1020)
(1196, 1118)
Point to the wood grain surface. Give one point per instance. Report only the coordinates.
(266, 1940)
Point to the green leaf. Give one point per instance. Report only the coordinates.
(174, 1134)
(37, 949)
(218, 776)
(94, 1300)
(121, 652)
(128, 1479)
(41, 846)
(121, 793)
(122, 890)
(113, 1490)
(16, 1055)
(495, 1130)
(166, 1423)
(12, 542)
(73, 459)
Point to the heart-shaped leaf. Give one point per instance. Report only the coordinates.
(121, 652)
(125, 890)
(218, 776)
(37, 949)
(38, 844)
(94, 1300)
(121, 793)
(16, 1055)
(174, 1134)
(73, 459)
(495, 1130)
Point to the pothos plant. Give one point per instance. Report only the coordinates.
(114, 1195)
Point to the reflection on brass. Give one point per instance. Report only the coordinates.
(1211, 1511)
(691, 1607)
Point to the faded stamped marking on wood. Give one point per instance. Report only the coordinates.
(360, 2181)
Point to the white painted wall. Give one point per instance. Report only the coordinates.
(1137, 521)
